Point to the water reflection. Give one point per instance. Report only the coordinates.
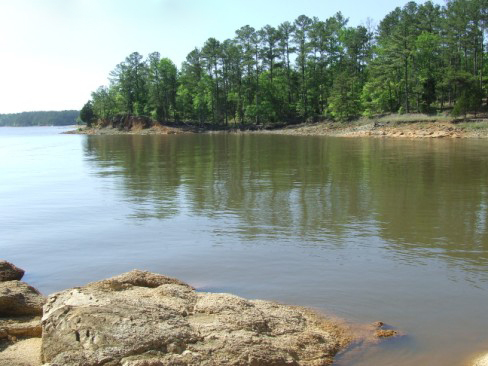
(422, 198)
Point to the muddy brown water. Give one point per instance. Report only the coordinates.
(365, 229)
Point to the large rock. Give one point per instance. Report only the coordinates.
(19, 299)
(144, 319)
(9, 272)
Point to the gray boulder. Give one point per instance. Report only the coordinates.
(19, 299)
(145, 319)
(9, 272)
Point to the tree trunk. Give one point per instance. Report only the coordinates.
(288, 74)
(482, 57)
(407, 107)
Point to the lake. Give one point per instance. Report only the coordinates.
(364, 229)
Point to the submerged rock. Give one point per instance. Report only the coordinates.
(19, 299)
(386, 333)
(9, 272)
(145, 319)
(383, 330)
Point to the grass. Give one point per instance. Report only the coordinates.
(478, 125)
(412, 118)
(397, 119)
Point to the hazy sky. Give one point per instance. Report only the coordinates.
(55, 52)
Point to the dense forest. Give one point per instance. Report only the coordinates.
(49, 118)
(420, 58)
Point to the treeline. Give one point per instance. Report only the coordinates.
(420, 58)
(49, 118)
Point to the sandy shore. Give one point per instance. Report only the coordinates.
(410, 129)
(378, 129)
(25, 352)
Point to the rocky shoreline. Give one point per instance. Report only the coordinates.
(20, 318)
(414, 129)
(145, 319)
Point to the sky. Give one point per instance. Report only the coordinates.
(54, 53)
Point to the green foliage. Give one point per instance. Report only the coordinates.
(162, 87)
(376, 97)
(104, 102)
(470, 94)
(86, 114)
(470, 100)
(345, 98)
(129, 81)
(49, 118)
(421, 58)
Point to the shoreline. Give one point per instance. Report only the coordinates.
(408, 130)
(83, 324)
(387, 128)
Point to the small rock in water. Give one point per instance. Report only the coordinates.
(386, 333)
(381, 332)
(10, 272)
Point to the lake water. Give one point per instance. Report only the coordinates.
(364, 229)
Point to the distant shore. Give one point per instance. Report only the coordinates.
(397, 126)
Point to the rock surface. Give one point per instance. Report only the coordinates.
(19, 299)
(481, 361)
(9, 272)
(144, 319)
(20, 327)
(395, 129)
(20, 319)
